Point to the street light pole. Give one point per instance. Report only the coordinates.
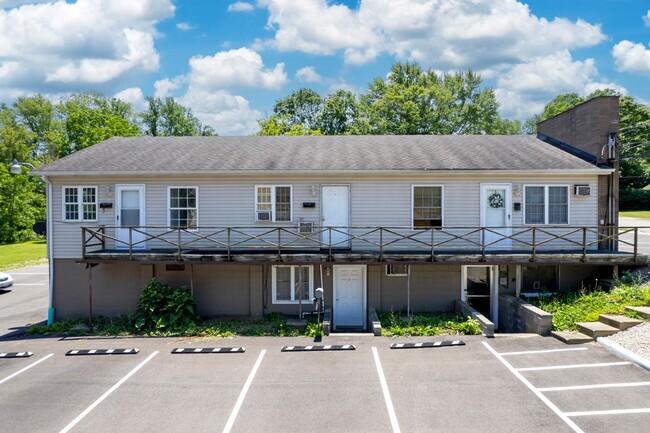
(17, 167)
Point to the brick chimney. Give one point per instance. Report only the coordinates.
(585, 131)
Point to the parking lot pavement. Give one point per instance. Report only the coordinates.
(510, 383)
(27, 301)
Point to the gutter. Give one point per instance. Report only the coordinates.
(313, 173)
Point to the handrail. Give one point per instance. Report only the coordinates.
(382, 240)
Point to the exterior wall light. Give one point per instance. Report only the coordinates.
(17, 167)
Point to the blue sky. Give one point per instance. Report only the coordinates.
(231, 60)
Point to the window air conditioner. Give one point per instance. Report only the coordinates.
(264, 215)
(582, 190)
(306, 227)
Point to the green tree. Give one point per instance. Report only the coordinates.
(339, 113)
(414, 101)
(40, 116)
(22, 201)
(169, 118)
(91, 117)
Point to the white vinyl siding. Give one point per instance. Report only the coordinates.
(79, 203)
(546, 204)
(183, 207)
(292, 283)
(275, 199)
(378, 201)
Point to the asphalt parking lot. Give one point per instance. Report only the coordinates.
(511, 383)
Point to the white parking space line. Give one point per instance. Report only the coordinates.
(25, 369)
(596, 386)
(535, 391)
(384, 388)
(609, 412)
(242, 395)
(107, 393)
(562, 367)
(531, 352)
(24, 284)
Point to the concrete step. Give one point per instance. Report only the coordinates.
(643, 311)
(596, 329)
(571, 337)
(618, 321)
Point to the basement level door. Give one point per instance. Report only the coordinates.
(480, 289)
(129, 213)
(349, 308)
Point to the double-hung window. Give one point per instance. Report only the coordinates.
(183, 209)
(427, 206)
(546, 204)
(293, 283)
(80, 203)
(273, 203)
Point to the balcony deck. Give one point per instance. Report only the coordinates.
(452, 245)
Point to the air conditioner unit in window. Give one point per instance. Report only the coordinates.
(263, 215)
(582, 190)
(306, 227)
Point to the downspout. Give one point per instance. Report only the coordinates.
(50, 249)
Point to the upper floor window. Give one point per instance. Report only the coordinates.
(80, 203)
(272, 203)
(427, 206)
(183, 209)
(546, 204)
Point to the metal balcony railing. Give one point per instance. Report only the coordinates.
(130, 242)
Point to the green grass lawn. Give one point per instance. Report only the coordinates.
(14, 256)
(635, 214)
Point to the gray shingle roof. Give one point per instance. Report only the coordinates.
(155, 155)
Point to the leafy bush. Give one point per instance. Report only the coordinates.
(585, 305)
(427, 325)
(162, 308)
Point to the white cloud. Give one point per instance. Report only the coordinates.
(524, 89)
(309, 75)
(166, 86)
(453, 34)
(646, 19)
(139, 53)
(228, 114)
(185, 27)
(631, 57)
(315, 27)
(240, 7)
(240, 67)
(133, 96)
(63, 46)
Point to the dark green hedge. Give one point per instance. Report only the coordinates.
(634, 199)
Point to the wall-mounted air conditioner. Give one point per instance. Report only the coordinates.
(306, 228)
(582, 190)
(263, 215)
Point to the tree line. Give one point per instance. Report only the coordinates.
(409, 100)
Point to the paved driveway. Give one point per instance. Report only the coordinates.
(515, 383)
(27, 301)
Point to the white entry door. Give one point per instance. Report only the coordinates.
(129, 212)
(349, 297)
(496, 214)
(335, 212)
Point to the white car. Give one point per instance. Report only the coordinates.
(5, 281)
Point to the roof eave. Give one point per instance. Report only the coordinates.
(448, 172)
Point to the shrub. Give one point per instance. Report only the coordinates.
(427, 325)
(162, 308)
